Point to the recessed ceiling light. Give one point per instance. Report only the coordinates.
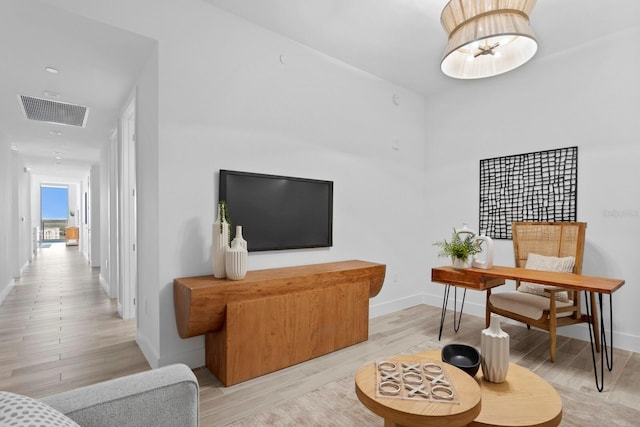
(55, 132)
(52, 70)
(14, 147)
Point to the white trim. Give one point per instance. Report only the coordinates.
(148, 350)
(23, 268)
(376, 310)
(193, 358)
(105, 285)
(6, 291)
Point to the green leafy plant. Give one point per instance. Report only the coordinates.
(223, 212)
(458, 247)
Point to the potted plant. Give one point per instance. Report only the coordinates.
(459, 249)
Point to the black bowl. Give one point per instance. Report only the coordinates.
(462, 356)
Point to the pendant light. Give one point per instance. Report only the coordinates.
(486, 37)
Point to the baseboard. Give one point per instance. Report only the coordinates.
(23, 268)
(381, 309)
(5, 292)
(105, 285)
(147, 349)
(193, 358)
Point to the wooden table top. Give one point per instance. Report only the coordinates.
(421, 413)
(481, 279)
(200, 302)
(524, 399)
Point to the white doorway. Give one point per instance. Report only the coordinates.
(127, 291)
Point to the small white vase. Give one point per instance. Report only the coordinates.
(460, 263)
(494, 351)
(239, 237)
(236, 259)
(220, 232)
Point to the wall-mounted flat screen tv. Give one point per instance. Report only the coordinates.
(279, 212)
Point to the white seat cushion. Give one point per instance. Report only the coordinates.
(547, 263)
(525, 304)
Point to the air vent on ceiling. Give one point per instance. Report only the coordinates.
(45, 110)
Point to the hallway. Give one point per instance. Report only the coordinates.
(59, 330)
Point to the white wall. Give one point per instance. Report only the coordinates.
(108, 216)
(6, 278)
(571, 99)
(227, 101)
(20, 215)
(94, 215)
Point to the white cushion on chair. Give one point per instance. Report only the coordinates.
(547, 263)
(524, 304)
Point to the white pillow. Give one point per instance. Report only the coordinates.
(547, 263)
(17, 410)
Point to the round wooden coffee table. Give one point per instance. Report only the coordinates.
(403, 412)
(524, 399)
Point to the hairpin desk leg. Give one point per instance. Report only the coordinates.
(603, 339)
(456, 323)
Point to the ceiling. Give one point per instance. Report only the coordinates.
(402, 41)
(398, 40)
(97, 67)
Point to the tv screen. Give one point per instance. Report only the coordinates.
(279, 212)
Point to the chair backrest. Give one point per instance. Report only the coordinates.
(559, 239)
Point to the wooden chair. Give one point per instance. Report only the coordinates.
(550, 239)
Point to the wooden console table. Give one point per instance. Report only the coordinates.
(278, 317)
(72, 235)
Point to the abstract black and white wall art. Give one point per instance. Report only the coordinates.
(540, 186)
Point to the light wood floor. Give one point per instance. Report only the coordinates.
(58, 330)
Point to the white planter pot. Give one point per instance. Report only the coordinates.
(460, 263)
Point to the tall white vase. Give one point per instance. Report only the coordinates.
(220, 232)
(236, 258)
(494, 351)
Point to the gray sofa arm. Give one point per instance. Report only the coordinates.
(166, 396)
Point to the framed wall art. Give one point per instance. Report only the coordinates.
(539, 186)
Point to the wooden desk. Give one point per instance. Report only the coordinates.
(278, 317)
(481, 280)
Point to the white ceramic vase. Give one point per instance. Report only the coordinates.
(239, 237)
(236, 257)
(494, 351)
(220, 232)
(488, 250)
(460, 263)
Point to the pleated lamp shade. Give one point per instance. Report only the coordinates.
(486, 37)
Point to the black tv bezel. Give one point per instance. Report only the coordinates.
(222, 195)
